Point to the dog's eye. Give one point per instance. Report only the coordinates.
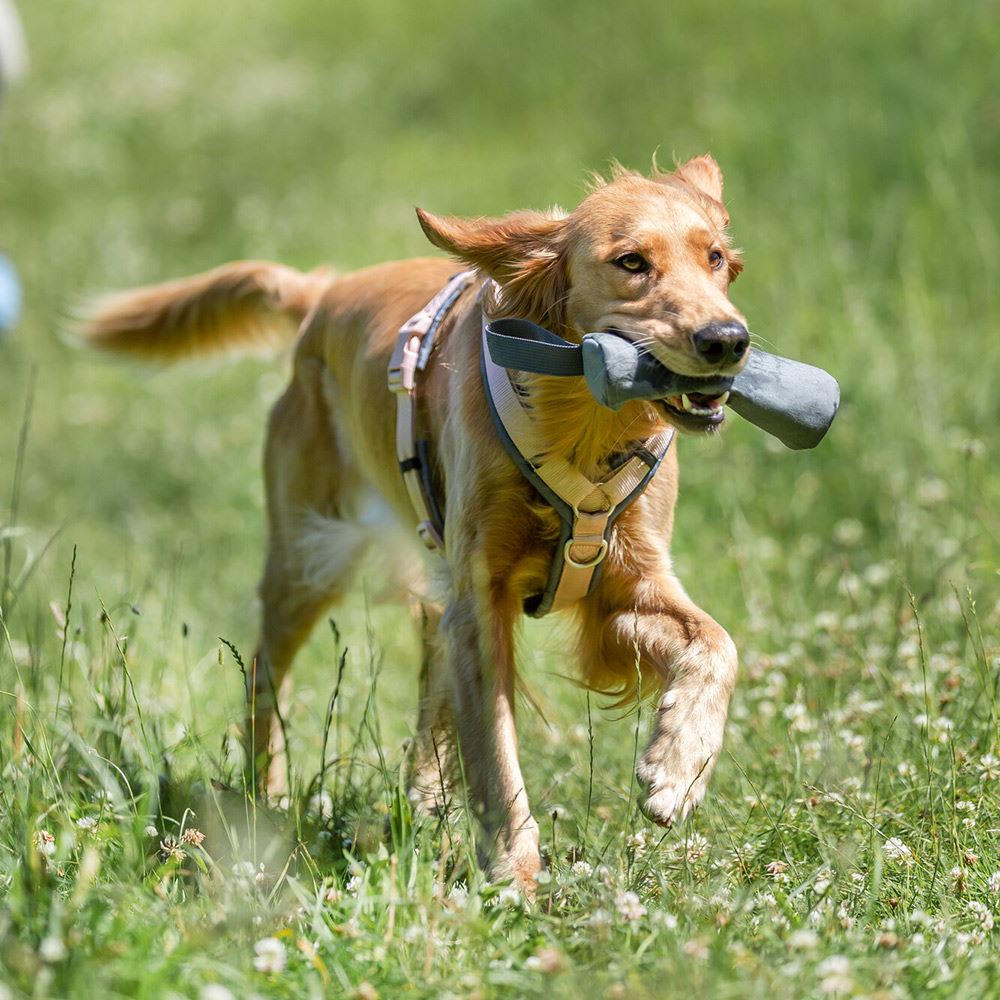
(633, 262)
(716, 260)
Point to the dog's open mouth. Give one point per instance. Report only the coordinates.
(696, 410)
(699, 405)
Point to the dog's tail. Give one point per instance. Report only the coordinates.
(242, 304)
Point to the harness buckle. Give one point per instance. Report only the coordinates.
(587, 563)
(395, 379)
(428, 534)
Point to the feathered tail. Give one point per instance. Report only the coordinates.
(236, 305)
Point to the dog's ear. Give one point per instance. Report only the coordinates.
(522, 252)
(704, 174)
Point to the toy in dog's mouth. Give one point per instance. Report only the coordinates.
(691, 402)
(793, 401)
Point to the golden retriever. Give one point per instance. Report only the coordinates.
(648, 257)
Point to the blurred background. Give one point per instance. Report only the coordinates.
(860, 143)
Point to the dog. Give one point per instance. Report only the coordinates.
(648, 257)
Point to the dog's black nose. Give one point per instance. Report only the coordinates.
(721, 343)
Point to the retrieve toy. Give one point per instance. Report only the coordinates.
(792, 401)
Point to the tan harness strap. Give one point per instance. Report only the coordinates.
(413, 350)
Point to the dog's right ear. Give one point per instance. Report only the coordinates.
(499, 247)
(522, 252)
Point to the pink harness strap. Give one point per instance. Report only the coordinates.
(413, 350)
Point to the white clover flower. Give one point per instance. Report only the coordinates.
(835, 975)
(243, 874)
(664, 919)
(599, 919)
(581, 869)
(965, 942)
(824, 879)
(151, 831)
(637, 842)
(777, 867)
(87, 823)
(826, 621)
(803, 939)
(629, 906)
(696, 847)
(849, 531)
(321, 805)
(45, 843)
(895, 850)
(216, 991)
(993, 883)
(982, 913)
(942, 727)
(989, 767)
(509, 896)
(852, 740)
(878, 574)
(269, 955)
(696, 948)
(543, 877)
(51, 949)
(355, 882)
(547, 960)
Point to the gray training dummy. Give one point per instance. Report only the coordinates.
(794, 402)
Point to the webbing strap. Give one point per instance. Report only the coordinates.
(413, 350)
(525, 347)
(587, 509)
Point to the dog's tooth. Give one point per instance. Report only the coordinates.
(724, 398)
(685, 402)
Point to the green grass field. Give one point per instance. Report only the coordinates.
(851, 841)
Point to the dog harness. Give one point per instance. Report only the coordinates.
(587, 510)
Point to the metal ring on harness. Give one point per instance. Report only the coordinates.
(587, 563)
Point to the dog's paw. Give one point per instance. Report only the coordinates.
(517, 859)
(672, 801)
(675, 778)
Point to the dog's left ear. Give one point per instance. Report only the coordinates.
(704, 174)
(522, 252)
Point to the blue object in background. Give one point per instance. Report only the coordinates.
(10, 295)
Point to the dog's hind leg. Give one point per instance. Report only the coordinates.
(311, 551)
(432, 757)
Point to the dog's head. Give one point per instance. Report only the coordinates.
(647, 258)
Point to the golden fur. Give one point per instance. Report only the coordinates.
(330, 451)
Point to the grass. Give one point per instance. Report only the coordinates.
(850, 840)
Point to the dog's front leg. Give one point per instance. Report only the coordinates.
(697, 661)
(478, 637)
